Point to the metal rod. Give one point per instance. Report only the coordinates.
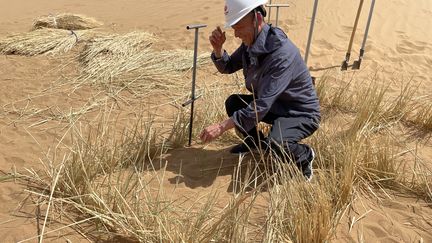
(311, 29)
(368, 24)
(355, 25)
(356, 64)
(348, 54)
(277, 16)
(282, 5)
(277, 6)
(269, 13)
(190, 101)
(193, 98)
(193, 86)
(196, 26)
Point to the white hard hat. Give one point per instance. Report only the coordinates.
(235, 10)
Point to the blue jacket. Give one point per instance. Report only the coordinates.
(277, 75)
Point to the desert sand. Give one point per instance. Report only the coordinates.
(399, 49)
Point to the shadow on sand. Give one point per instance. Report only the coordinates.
(198, 167)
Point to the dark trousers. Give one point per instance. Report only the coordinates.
(286, 132)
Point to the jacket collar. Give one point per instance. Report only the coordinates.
(268, 40)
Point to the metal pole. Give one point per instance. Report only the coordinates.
(269, 13)
(311, 29)
(348, 54)
(193, 98)
(368, 24)
(277, 15)
(356, 64)
(277, 6)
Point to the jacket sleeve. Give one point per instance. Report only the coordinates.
(273, 82)
(229, 64)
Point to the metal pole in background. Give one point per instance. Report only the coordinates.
(277, 6)
(344, 65)
(356, 64)
(269, 13)
(312, 25)
(193, 98)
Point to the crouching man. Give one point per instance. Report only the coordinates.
(282, 91)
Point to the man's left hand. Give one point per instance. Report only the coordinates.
(214, 131)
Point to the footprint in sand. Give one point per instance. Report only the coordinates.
(347, 28)
(377, 231)
(325, 44)
(427, 12)
(410, 47)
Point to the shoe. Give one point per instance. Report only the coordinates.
(307, 168)
(247, 146)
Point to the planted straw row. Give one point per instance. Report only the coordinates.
(104, 57)
(52, 34)
(42, 41)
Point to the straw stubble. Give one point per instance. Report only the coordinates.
(42, 41)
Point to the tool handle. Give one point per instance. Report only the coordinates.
(277, 5)
(196, 26)
(191, 100)
(311, 29)
(368, 25)
(355, 26)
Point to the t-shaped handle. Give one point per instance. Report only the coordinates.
(196, 26)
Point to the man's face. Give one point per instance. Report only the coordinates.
(245, 29)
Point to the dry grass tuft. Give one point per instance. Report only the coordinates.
(423, 116)
(115, 179)
(114, 185)
(41, 41)
(67, 21)
(306, 212)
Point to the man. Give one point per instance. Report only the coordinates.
(282, 91)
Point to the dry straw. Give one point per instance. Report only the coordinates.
(42, 41)
(66, 21)
(117, 182)
(129, 61)
(105, 57)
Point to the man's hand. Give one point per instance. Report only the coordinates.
(214, 131)
(217, 39)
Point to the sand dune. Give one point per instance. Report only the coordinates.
(399, 49)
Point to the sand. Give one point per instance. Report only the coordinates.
(399, 49)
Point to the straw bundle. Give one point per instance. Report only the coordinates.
(42, 41)
(106, 57)
(66, 21)
(116, 45)
(129, 56)
(180, 60)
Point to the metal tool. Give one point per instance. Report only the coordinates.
(311, 29)
(277, 6)
(357, 63)
(193, 98)
(348, 54)
(269, 12)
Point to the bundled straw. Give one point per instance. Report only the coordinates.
(116, 45)
(129, 57)
(180, 60)
(106, 57)
(66, 21)
(42, 41)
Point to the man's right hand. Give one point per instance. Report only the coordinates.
(217, 39)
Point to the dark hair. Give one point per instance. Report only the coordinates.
(262, 10)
